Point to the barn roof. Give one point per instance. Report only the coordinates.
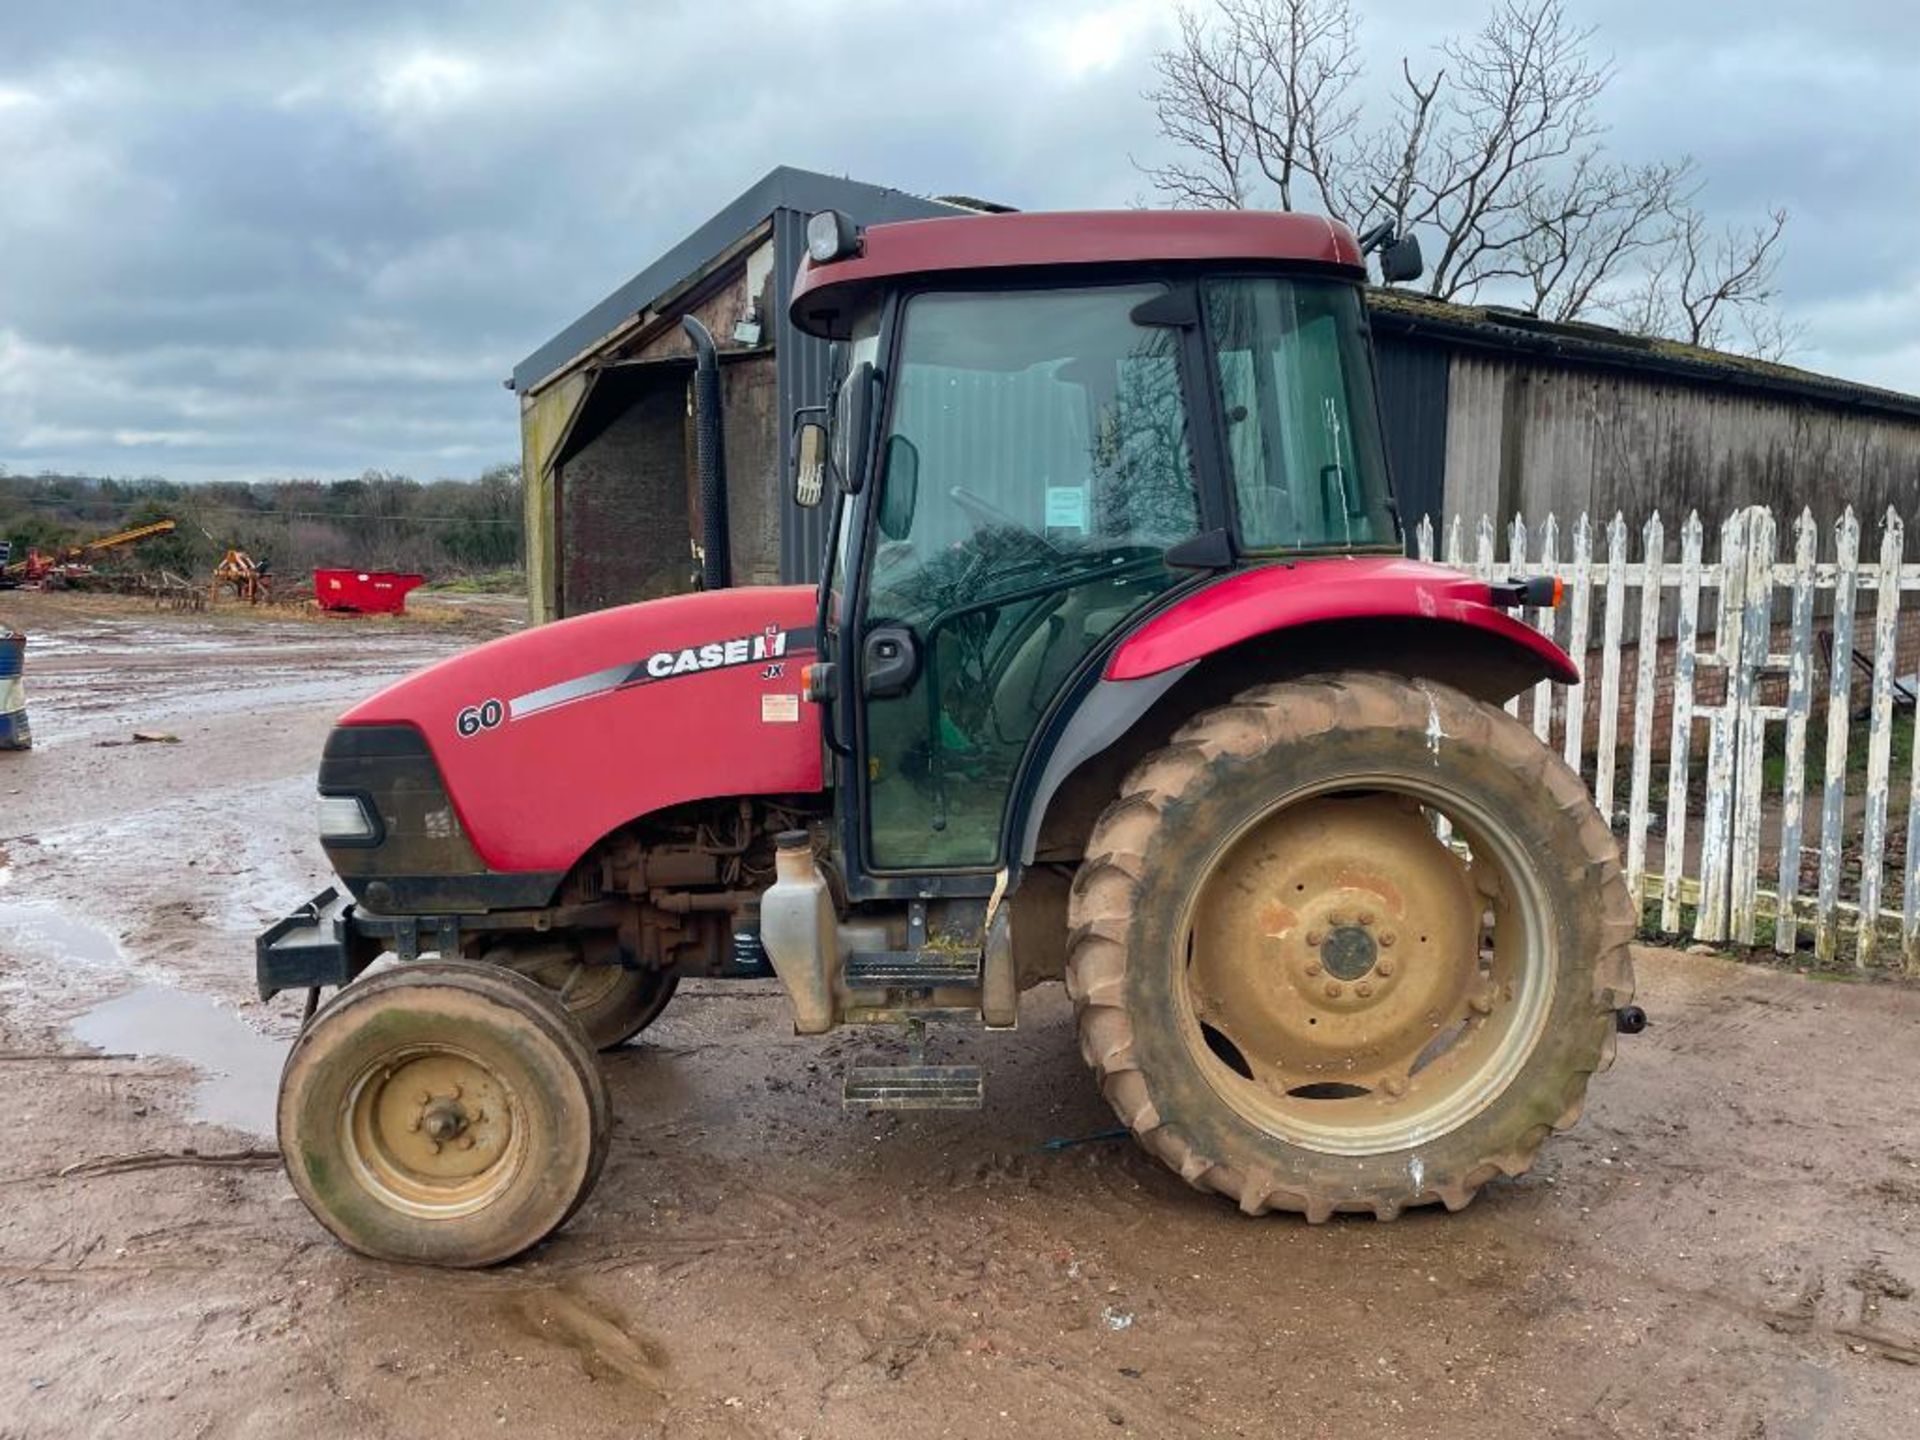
(1395, 312)
(782, 188)
(1499, 329)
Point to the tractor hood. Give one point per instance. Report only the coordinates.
(550, 739)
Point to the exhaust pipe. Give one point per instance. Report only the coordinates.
(711, 457)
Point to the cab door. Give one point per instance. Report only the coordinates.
(1034, 466)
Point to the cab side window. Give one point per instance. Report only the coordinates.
(1036, 466)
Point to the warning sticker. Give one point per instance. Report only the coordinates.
(779, 709)
(1066, 508)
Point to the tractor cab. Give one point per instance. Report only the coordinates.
(1034, 445)
(1116, 674)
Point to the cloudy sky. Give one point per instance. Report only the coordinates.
(241, 240)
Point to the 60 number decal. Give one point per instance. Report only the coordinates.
(475, 718)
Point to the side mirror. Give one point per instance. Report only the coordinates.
(852, 427)
(809, 464)
(1400, 260)
(899, 489)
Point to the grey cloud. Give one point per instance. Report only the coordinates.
(246, 240)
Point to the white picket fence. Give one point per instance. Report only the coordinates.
(1719, 884)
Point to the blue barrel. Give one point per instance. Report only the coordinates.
(14, 731)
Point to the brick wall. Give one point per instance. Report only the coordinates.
(1710, 681)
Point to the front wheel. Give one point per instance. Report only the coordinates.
(443, 1113)
(1351, 943)
(610, 1002)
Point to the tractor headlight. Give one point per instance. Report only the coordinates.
(831, 236)
(346, 818)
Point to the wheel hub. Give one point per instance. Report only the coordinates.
(433, 1131)
(1339, 950)
(1349, 952)
(444, 1121)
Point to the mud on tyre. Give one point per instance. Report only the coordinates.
(1296, 993)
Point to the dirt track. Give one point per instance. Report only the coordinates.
(1722, 1248)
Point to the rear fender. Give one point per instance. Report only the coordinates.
(1389, 615)
(1293, 597)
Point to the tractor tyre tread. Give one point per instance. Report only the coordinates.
(1116, 879)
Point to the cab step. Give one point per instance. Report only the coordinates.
(911, 969)
(914, 1087)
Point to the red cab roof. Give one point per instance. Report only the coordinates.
(825, 296)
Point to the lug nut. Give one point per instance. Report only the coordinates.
(1363, 989)
(1383, 968)
(1386, 938)
(1366, 917)
(1337, 919)
(1334, 989)
(1314, 937)
(1313, 968)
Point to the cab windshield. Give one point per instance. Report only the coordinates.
(1303, 434)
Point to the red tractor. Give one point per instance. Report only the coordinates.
(1117, 675)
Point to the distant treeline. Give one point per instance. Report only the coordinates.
(379, 521)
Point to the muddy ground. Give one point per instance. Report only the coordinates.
(1724, 1247)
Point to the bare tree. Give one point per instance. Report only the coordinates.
(1584, 229)
(1496, 152)
(1260, 94)
(1712, 289)
(1473, 150)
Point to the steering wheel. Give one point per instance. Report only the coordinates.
(987, 514)
(982, 509)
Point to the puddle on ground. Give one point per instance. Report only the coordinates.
(240, 1068)
(46, 932)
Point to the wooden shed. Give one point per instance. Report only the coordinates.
(612, 504)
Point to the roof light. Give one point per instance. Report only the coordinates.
(831, 236)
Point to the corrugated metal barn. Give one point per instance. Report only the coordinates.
(1487, 411)
(1491, 411)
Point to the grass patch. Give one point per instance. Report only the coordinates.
(481, 582)
(1774, 759)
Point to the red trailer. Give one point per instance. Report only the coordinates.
(364, 592)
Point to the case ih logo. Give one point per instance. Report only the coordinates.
(766, 649)
(717, 655)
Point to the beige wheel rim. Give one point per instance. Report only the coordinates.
(433, 1132)
(1354, 984)
(580, 986)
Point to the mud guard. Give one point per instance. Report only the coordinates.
(1289, 596)
(1306, 607)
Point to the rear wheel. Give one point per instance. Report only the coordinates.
(1298, 993)
(611, 1003)
(442, 1113)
